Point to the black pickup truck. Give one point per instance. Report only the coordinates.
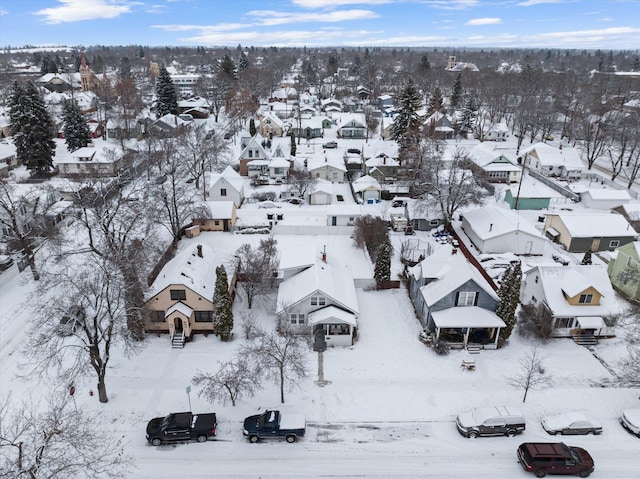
(181, 426)
(274, 424)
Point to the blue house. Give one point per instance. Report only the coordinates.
(453, 301)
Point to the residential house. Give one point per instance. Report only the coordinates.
(343, 215)
(454, 301)
(382, 167)
(531, 195)
(604, 198)
(386, 104)
(227, 186)
(496, 165)
(310, 127)
(167, 125)
(631, 212)
(251, 151)
(548, 160)
(322, 297)
(497, 132)
(456, 66)
(195, 106)
(439, 126)
(179, 301)
(580, 298)
(327, 169)
(8, 158)
(331, 106)
(498, 230)
(298, 258)
(368, 188)
(271, 126)
(624, 270)
(577, 233)
(89, 161)
(352, 127)
(423, 215)
(123, 129)
(222, 217)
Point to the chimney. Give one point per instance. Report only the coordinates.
(200, 250)
(384, 160)
(490, 226)
(324, 254)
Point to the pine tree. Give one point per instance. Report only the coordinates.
(586, 259)
(222, 306)
(31, 127)
(456, 95)
(424, 65)
(435, 102)
(509, 294)
(166, 93)
(293, 144)
(76, 130)
(406, 126)
(125, 68)
(252, 127)
(382, 270)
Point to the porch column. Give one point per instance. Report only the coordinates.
(497, 334)
(437, 334)
(466, 336)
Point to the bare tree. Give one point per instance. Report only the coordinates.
(233, 381)
(282, 356)
(53, 439)
(257, 268)
(371, 119)
(531, 374)
(629, 367)
(215, 92)
(593, 136)
(94, 302)
(370, 231)
(301, 182)
(535, 321)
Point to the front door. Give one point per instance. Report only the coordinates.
(595, 245)
(177, 322)
(528, 247)
(334, 220)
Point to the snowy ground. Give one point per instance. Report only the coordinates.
(389, 409)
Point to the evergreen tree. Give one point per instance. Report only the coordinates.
(76, 130)
(456, 96)
(424, 65)
(509, 294)
(382, 270)
(166, 94)
(252, 127)
(243, 62)
(293, 144)
(435, 102)
(31, 127)
(125, 68)
(222, 305)
(406, 126)
(586, 259)
(227, 67)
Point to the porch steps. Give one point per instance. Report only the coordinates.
(177, 341)
(473, 349)
(585, 339)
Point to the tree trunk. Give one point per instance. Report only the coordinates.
(281, 386)
(102, 390)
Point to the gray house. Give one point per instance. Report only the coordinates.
(453, 301)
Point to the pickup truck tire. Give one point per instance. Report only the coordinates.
(510, 433)
(156, 441)
(201, 438)
(253, 438)
(291, 438)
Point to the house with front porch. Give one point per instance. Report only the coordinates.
(322, 297)
(179, 302)
(271, 126)
(563, 162)
(330, 169)
(624, 270)
(497, 165)
(252, 151)
(580, 298)
(352, 127)
(217, 216)
(453, 301)
(578, 234)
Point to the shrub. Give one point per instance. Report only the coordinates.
(441, 348)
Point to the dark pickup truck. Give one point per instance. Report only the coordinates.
(181, 426)
(274, 424)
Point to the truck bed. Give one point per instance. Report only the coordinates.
(292, 421)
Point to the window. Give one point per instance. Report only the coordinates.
(223, 192)
(203, 316)
(318, 300)
(614, 243)
(534, 300)
(250, 153)
(434, 222)
(216, 222)
(564, 323)
(466, 298)
(585, 298)
(156, 316)
(296, 318)
(178, 294)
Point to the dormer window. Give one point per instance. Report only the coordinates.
(585, 298)
(466, 298)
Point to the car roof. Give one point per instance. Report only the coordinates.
(547, 449)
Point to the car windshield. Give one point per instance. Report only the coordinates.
(575, 456)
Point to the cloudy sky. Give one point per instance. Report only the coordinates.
(611, 24)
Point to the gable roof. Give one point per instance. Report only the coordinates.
(335, 282)
(366, 182)
(555, 157)
(187, 268)
(253, 143)
(229, 176)
(609, 225)
(490, 222)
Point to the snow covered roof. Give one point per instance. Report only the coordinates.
(449, 271)
(322, 186)
(315, 163)
(632, 210)
(381, 160)
(608, 194)
(181, 308)
(486, 153)
(334, 281)
(297, 256)
(188, 269)
(555, 157)
(474, 316)
(533, 189)
(229, 176)
(221, 209)
(331, 314)
(557, 280)
(490, 222)
(366, 182)
(582, 225)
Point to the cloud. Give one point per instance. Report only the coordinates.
(582, 34)
(336, 3)
(80, 10)
(156, 9)
(3, 12)
(484, 21)
(272, 17)
(450, 4)
(529, 3)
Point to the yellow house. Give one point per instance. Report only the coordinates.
(180, 299)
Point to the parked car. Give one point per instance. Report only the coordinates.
(274, 424)
(330, 144)
(491, 421)
(5, 262)
(544, 458)
(570, 423)
(294, 201)
(69, 322)
(354, 151)
(268, 204)
(181, 426)
(630, 420)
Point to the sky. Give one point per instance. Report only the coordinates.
(610, 24)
